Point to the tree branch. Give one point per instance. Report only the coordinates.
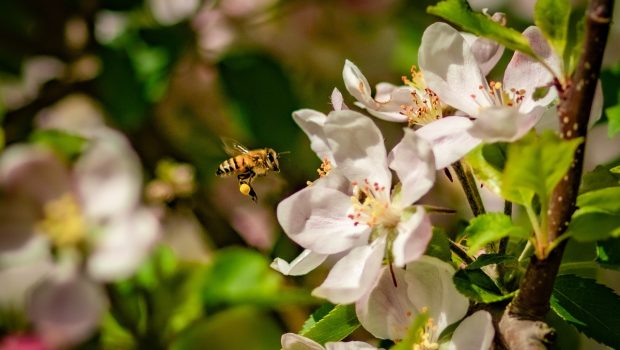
(532, 301)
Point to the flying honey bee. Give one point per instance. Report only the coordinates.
(247, 164)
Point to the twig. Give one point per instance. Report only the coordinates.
(466, 178)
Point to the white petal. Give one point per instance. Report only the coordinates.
(301, 265)
(429, 284)
(316, 219)
(413, 237)
(476, 332)
(350, 345)
(389, 101)
(386, 311)
(487, 51)
(451, 70)
(337, 100)
(356, 83)
(292, 341)
(109, 177)
(449, 138)
(413, 161)
(66, 310)
(357, 146)
(34, 172)
(123, 245)
(499, 123)
(353, 275)
(523, 72)
(19, 216)
(312, 123)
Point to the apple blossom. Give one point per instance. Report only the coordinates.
(353, 209)
(424, 286)
(292, 341)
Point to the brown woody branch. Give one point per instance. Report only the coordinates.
(532, 302)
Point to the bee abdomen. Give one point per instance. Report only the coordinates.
(227, 167)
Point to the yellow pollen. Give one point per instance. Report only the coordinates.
(426, 108)
(426, 337)
(63, 222)
(325, 168)
(417, 79)
(371, 206)
(244, 189)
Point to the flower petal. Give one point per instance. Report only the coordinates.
(301, 265)
(429, 284)
(316, 219)
(33, 171)
(312, 123)
(413, 237)
(413, 161)
(357, 146)
(450, 69)
(349, 345)
(292, 341)
(18, 220)
(353, 275)
(487, 51)
(123, 245)
(499, 123)
(449, 139)
(109, 177)
(66, 309)
(337, 100)
(476, 332)
(356, 83)
(389, 100)
(523, 72)
(386, 311)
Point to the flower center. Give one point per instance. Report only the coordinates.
(63, 222)
(427, 336)
(325, 168)
(426, 106)
(502, 97)
(371, 206)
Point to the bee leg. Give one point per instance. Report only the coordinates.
(245, 184)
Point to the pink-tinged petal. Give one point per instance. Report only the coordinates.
(450, 69)
(337, 100)
(19, 216)
(292, 341)
(486, 51)
(350, 345)
(301, 265)
(123, 246)
(108, 177)
(353, 275)
(386, 311)
(389, 100)
(523, 72)
(33, 171)
(413, 161)
(429, 284)
(316, 219)
(23, 342)
(357, 146)
(413, 237)
(66, 310)
(449, 139)
(356, 83)
(495, 124)
(312, 123)
(476, 332)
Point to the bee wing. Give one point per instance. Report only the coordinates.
(233, 147)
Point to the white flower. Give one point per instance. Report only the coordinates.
(353, 209)
(425, 285)
(292, 341)
(501, 111)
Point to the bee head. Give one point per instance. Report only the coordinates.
(272, 160)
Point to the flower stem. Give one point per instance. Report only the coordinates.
(466, 178)
(456, 249)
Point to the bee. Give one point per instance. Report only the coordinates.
(247, 164)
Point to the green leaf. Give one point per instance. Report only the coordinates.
(460, 13)
(552, 17)
(487, 163)
(335, 326)
(316, 316)
(605, 200)
(439, 246)
(535, 165)
(608, 253)
(65, 144)
(613, 118)
(479, 287)
(489, 259)
(601, 177)
(490, 227)
(593, 224)
(591, 307)
(414, 333)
